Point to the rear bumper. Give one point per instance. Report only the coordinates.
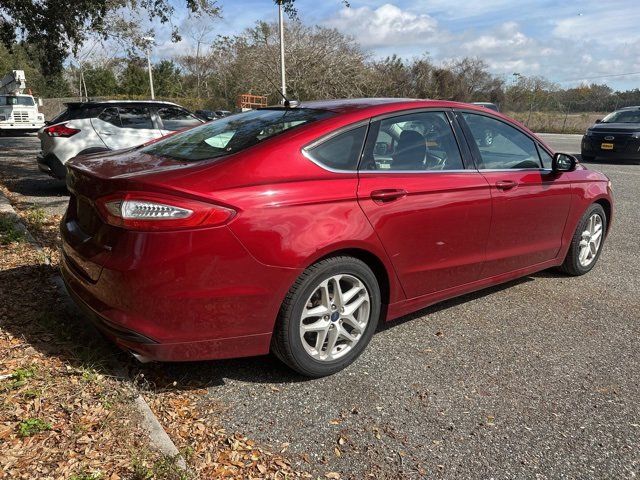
(21, 127)
(51, 165)
(171, 301)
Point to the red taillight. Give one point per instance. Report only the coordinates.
(61, 130)
(142, 211)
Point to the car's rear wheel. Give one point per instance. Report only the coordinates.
(328, 317)
(587, 241)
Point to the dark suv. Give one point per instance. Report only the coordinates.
(615, 137)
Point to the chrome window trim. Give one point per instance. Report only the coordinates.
(385, 171)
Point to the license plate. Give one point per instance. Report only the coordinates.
(606, 146)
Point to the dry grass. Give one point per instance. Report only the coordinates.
(556, 122)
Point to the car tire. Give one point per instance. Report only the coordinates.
(327, 320)
(576, 262)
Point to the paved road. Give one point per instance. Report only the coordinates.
(562, 142)
(538, 378)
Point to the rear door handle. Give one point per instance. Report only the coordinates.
(102, 132)
(506, 184)
(388, 194)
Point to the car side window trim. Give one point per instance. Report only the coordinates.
(375, 121)
(325, 138)
(476, 151)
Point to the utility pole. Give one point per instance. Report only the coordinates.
(282, 68)
(198, 70)
(149, 42)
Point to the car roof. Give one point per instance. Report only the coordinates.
(94, 103)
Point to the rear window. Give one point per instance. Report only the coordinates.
(234, 133)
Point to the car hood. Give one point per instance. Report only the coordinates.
(615, 127)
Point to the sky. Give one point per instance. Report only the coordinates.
(567, 42)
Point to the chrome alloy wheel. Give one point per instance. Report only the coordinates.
(591, 240)
(335, 317)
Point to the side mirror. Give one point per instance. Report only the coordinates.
(40, 102)
(599, 120)
(563, 162)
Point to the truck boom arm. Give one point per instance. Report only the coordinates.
(13, 83)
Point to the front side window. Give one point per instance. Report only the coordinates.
(340, 152)
(176, 119)
(545, 158)
(234, 133)
(135, 117)
(501, 146)
(417, 141)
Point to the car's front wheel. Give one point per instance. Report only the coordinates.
(328, 317)
(587, 241)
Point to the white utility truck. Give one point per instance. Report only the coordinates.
(18, 111)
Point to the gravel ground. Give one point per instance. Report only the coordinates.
(538, 378)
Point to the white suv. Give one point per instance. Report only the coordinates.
(91, 127)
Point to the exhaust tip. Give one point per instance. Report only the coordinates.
(140, 358)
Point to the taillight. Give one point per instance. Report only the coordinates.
(61, 130)
(142, 211)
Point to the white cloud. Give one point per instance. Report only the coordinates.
(384, 26)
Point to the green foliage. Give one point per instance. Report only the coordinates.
(9, 232)
(87, 476)
(134, 78)
(32, 426)
(100, 81)
(167, 79)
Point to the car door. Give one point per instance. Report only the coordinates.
(125, 126)
(530, 202)
(174, 118)
(431, 213)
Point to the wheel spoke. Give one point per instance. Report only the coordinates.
(332, 339)
(352, 292)
(353, 306)
(320, 338)
(584, 252)
(338, 299)
(351, 321)
(315, 326)
(318, 311)
(343, 333)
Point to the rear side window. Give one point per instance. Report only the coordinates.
(234, 133)
(340, 152)
(110, 115)
(176, 119)
(135, 117)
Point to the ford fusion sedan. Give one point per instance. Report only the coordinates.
(299, 230)
(615, 137)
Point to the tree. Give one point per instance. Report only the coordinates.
(134, 78)
(100, 81)
(57, 27)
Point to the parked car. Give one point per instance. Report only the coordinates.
(91, 127)
(297, 230)
(490, 106)
(615, 137)
(206, 115)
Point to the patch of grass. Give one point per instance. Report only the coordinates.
(9, 232)
(19, 378)
(32, 426)
(36, 217)
(166, 468)
(87, 476)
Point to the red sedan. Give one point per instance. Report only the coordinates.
(297, 230)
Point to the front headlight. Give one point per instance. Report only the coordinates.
(2, 118)
(589, 133)
(636, 135)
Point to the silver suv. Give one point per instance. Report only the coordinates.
(91, 127)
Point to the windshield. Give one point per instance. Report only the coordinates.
(623, 116)
(11, 100)
(234, 133)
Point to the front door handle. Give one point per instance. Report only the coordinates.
(506, 184)
(102, 132)
(388, 194)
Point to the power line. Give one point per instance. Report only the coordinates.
(600, 76)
